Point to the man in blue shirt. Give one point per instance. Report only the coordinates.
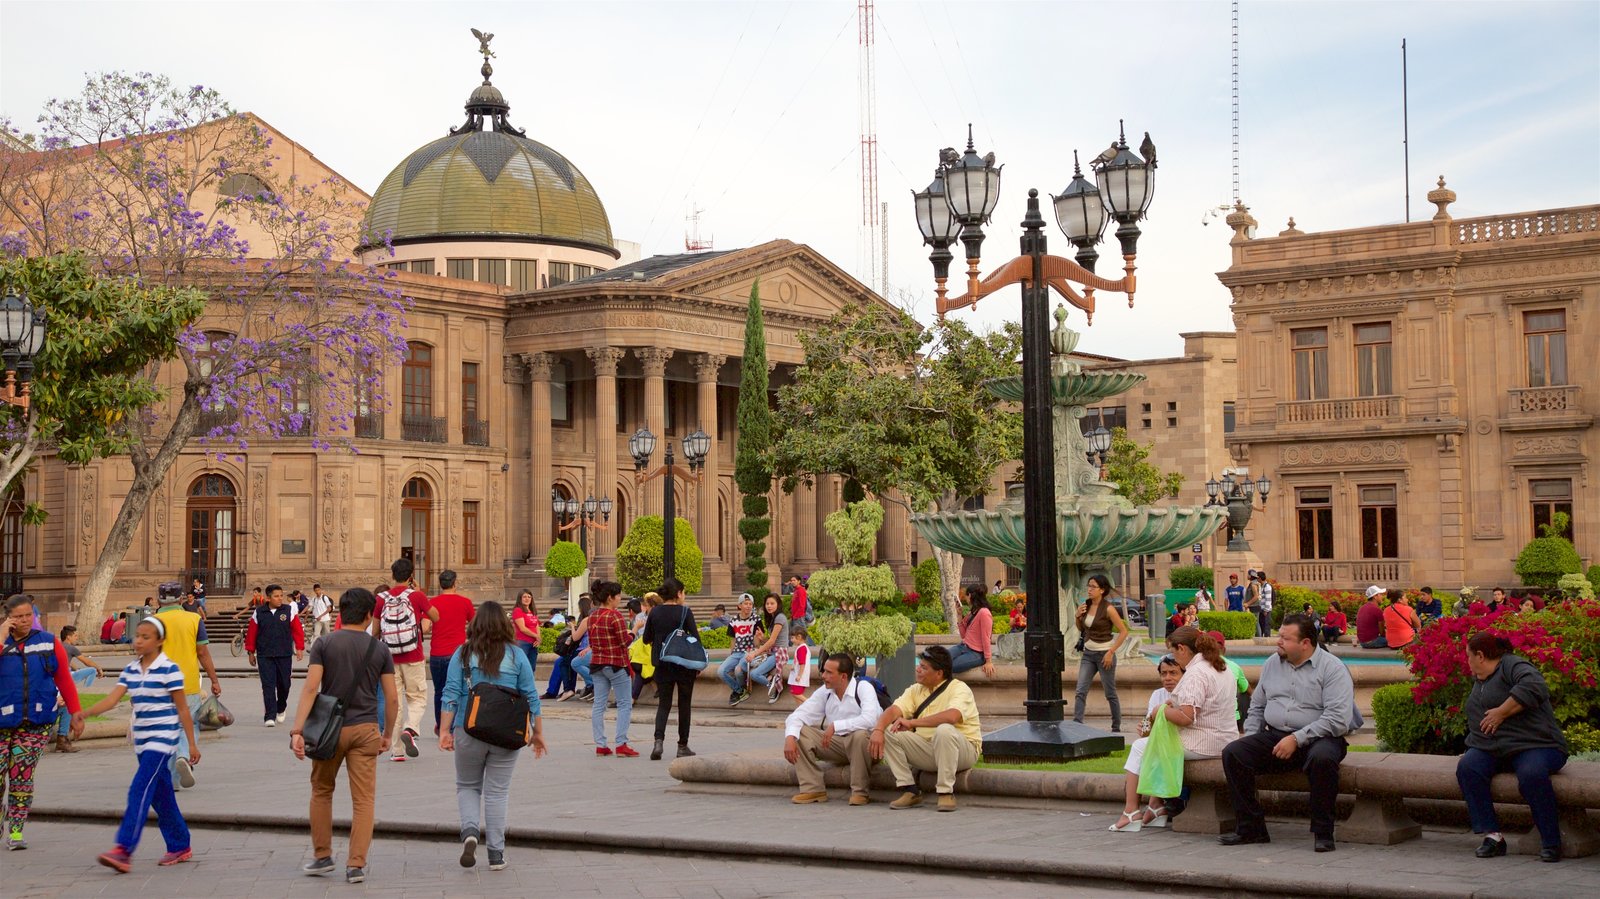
(1235, 594)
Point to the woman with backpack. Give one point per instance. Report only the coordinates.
(664, 621)
(484, 769)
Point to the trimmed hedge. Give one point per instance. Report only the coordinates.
(1544, 560)
(565, 560)
(1192, 577)
(1402, 724)
(1233, 625)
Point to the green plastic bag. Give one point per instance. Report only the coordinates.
(1161, 769)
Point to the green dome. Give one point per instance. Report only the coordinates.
(488, 185)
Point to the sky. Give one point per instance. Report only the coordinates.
(750, 111)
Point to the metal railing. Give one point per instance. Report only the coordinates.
(1320, 411)
(422, 429)
(369, 426)
(218, 581)
(10, 582)
(216, 418)
(475, 432)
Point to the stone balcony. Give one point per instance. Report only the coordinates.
(1344, 574)
(1359, 409)
(1529, 408)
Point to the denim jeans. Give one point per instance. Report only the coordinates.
(1091, 664)
(964, 658)
(614, 681)
(762, 672)
(531, 650)
(733, 669)
(84, 678)
(1533, 768)
(438, 670)
(483, 782)
(152, 788)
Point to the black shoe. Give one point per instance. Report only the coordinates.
(1175, 806)
(469, 849)
(588, 693)
(1322, 844)
(355, 875)
(684, 751)
(1243, 839)
(655, 752)
(1491, 848)
(1550, 854)
(318, 866)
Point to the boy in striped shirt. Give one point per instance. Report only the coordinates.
(154, 684)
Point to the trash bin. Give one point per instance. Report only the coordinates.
(1158, 621)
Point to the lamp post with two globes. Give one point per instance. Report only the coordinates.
(22, 334)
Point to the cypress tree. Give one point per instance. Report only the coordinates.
(752, 469)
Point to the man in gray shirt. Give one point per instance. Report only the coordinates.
(1302, 709)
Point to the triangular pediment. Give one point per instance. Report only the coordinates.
(795, 279)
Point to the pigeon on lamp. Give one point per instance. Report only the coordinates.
(1105, 157)
(1148, 150)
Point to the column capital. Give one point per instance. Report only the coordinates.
(654, 359)
(515, 371)
(706, 366)
(605, 359)
(539, 365)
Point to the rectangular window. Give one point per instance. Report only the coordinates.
(560, 395)
(458, 268)
(469, 533)
(1145, 423)
(1546, 335)
(1310, 363)
(1108, 417)
(1229, 418)
(581, 271)
(1380, 536)
(1549, 498)
(469, 391)
(492, 271)
(416, 383)
(524, 274)
(422, 266)
(1374, 360)
(560, 273)
(395, 266)
(1314, 522)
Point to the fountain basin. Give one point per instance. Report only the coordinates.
(1072, 388)
(1104, 535)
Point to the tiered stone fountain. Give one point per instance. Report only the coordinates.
(1096, 528)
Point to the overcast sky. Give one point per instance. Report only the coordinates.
(749, 110)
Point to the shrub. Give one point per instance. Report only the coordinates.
(1402, 723)
(925, 578)
(1233, 625)
(1582, 737)
(548, 635)
(1576, 586)
(1293, 599)
(853, 586)
(715, 638)
(639, 557)
(939, 626)
(1192, 577)
(565, 560)
(1001, 625)
(1003, 603)
(877, 636)
(1593, 574)
(1545, 559)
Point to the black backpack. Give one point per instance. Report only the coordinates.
(884, 699)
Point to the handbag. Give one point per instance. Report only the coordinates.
(683, 648)
(325, 722)
(499, 716)
(1161, 770)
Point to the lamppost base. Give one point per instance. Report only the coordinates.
(1048, 741)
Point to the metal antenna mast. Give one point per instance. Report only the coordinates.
(1236, 102)
(871, 223)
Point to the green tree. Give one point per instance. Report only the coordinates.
(1545, 559)
(752, 472)
(105, 335)
(1128, 466)
(901, 411)
(565, 560)
(639, 561)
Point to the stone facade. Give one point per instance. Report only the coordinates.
(1421, 394)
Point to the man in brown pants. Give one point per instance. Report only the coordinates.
(352, 666)
(833, 725)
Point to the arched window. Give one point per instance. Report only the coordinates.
(557, 519)
(11, 533)
(416, 526)
(212, 509)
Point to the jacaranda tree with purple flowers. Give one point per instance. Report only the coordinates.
(170, 186)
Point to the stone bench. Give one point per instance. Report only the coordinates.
(1381, 781)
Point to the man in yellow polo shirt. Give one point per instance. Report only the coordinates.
(187, 646)
(933, 726)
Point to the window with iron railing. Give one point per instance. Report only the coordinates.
(1545, 334)
(1310, 363)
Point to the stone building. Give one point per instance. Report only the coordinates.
(1422, 394)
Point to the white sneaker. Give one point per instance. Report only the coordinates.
(185, 773)
(282, 717)
(269, 723)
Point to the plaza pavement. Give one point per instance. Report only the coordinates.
(573, 800)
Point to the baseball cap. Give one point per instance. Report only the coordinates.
(745, 597)
(169, 590)
(1374, 590)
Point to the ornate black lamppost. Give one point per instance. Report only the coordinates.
(970, 185)
(642, 445)
(581, 516)
(1237, 493)
(22, 333)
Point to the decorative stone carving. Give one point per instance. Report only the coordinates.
(161, 512)
(492, 525)
(605, 359)
(345, 502)
(654, 359)
(87, 505)
(539, 365)
(258, 513)
(1561, 445)
(706, 366)
(512, 370)
(1350, 452)
(455, 515)
(392, 504)
(328, 513)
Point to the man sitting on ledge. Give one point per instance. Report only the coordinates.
(1302, 709)
(832, 726)
(933, 726)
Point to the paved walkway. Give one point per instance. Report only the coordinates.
(572, 799)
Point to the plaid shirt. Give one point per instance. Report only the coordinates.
(608, 639)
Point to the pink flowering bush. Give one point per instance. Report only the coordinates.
(1562, 641)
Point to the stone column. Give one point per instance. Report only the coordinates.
(540, 451)
(892, 544)
(655, 418)
(603, 543)
(805, 530)
(706, 367)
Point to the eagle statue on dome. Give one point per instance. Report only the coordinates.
(483, 42)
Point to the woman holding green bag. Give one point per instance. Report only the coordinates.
(1196, 723)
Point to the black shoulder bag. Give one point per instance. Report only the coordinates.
(923, 706)
(494, 714)
(326, 719)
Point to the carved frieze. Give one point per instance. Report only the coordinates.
(1513, 271)
(1559, 445)
(328, 513)
(88, 503)
(1345, 452)
(160, 512)
(345, 502)
(258, 513)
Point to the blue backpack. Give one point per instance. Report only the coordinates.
(877, 687)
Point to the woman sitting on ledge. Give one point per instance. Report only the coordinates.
(1202, 706)
(1510, 727)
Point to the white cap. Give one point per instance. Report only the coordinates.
(745, 597)
(1374, 590)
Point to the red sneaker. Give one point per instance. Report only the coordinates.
(601, 750)
(176, 858)
(626, 751)
(117, 860)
